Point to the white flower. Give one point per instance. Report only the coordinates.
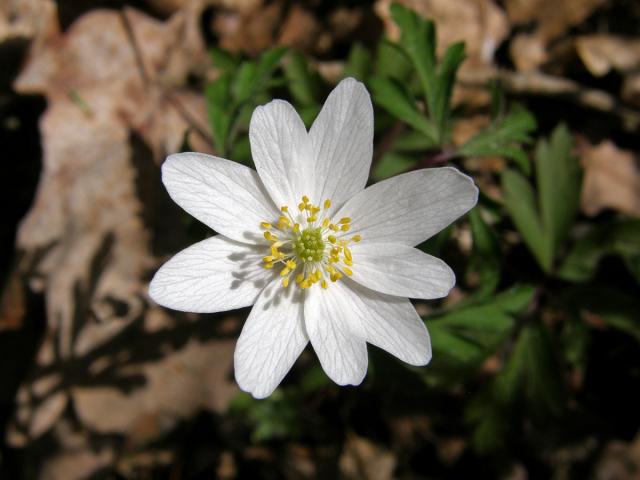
(322, 258)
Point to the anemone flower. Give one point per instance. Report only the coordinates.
(320, 257)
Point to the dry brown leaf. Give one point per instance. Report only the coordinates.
(481, 24)
(13, 306)
(361, 458)
(552, 17)
(115, 109)
(602, 53)
(300, 29)
(24, 19)
(611, 179)
(177, 386)
(528, 52)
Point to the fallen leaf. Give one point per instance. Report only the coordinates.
(602, 53)
(361, 458)
(611, 179)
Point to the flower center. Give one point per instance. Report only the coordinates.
(309, 246)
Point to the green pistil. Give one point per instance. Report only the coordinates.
(309, 246)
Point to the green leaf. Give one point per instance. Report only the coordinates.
(253, 76)
(503, 138)
(616, 309)
(392, 164)
(614, 238)
(418, 40)
(558, 179)
(486, 257)
(413, 141)
(532, 372)
(392, 96)
(358, 63)
(446, 77)
(516, 299)
(303, 84)
(219, 108)
(520, 202)
(223, 60)
(391, 61)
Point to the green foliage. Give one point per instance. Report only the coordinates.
(235, 91)
(359, 63)
(486, 259)
(392, 95)
(464, 337)
(418, 40)
(427, 108)
(544, 219)
(620, 237)
(504, 137)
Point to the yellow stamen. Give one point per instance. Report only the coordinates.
(327, 204)
(356, 238)
(284, 209)
(285, 282)
(265, 224)
(347, 271)
(345, 227)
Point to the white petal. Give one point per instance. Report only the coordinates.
(210, 276)
(342, 143)
(279, 148)
(411, 207)
(334, 328)
(400, 270)
(271, 340)
(391, 323)
(224, 195)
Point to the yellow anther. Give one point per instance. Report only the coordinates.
(333, 227)
(301, 206)
(291, 264)
(268, 258)
(285, 282)
(284, 272)
(305, 199)
(265, 224)
(284, 220)
(284, 209)
(347, 254)
(325, 222)
(275, 252)
(345, 227)
(324, 284)
(345, 220)
(332, 238)
(347, 271)
(296, 228)
(315, 209)
(270, 236)
(299, 277)
(356, 238)
(327, 204)
(348, 262)
(312, 218)
(268, 265)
